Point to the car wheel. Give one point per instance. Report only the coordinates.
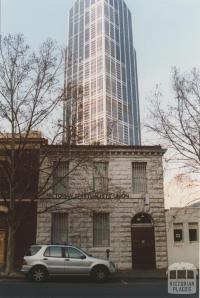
(100, 274)
(38, 274)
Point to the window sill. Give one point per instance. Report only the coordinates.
(100, 248)
(177, 244)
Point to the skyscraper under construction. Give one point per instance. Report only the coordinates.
(102, 103)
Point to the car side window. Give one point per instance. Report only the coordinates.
(73, 253)
(53, 251)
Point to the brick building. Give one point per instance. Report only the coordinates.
(105, 197)
(24, 187)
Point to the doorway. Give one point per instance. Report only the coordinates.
(143, 242)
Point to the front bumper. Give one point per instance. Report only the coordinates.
(25, 268)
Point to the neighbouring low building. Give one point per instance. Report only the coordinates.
(105, 197)
(20, 182)
(183, 234)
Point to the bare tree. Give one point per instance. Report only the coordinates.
(30, 97)
(178, 124)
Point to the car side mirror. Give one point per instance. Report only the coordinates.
(83, 257)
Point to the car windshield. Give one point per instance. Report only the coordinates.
(32, 250)
(87, 254)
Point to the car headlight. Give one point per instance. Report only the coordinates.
(112, 265)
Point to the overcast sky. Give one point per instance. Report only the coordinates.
(166, 34)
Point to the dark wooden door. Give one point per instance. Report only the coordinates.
(2, 248)
(143, 247)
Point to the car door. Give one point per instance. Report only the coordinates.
(54, 259)
(76, 262)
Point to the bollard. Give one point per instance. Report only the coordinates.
(108, 253)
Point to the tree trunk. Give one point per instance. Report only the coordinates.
(10, 250)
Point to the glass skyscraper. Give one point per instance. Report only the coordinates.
(102, 102)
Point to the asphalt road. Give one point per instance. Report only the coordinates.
(80, 288)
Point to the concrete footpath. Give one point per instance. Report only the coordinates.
(122, 275)
(141, 274)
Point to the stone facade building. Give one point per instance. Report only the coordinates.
(105, 197)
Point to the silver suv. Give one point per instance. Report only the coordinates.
(41, 261)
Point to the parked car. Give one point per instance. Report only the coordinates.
(41, 261)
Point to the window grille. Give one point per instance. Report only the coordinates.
(60, 177)
(59, 228)
(100, 177)
(139, 177)
(101, 229)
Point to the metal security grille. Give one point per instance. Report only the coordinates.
(60, 177)
(139, 177)
(100, 177)
(59, 228)
(101, 229)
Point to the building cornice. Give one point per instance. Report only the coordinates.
(105, 150)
